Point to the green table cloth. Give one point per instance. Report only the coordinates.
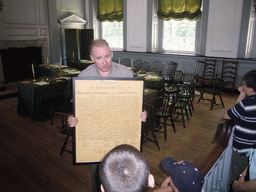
(28, 102)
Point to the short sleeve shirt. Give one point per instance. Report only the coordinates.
(117, 70)
(244, 114)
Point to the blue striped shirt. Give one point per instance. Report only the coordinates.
(244, 114)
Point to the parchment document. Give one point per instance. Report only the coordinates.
(108, 113)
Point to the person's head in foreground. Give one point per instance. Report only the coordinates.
(125, 169)
(101, 55)
(185, 177)
(249, 86)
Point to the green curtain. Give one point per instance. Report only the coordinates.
(110, 10)
(179, 9)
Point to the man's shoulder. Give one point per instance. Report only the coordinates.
(121, 70)
(88, 71)
(120, 67)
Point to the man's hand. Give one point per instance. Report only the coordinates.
(72, 121)
(143, 116)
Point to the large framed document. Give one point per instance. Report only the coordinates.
(108, 111)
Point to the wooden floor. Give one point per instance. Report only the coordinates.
(29, 150)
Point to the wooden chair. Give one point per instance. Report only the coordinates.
(181, 106)
(229, 70)
(169, 72)
(137, 65)
(52, 96)
(208, 77)
(187, 89)
(166, 112)
(145, 66)
(153, 106)
(191, 80)
(200, 67)
(171, 69)
(209, 71)
(126, 61)
(216, 89)
(156, 67)
(178, 77)
(66, 130)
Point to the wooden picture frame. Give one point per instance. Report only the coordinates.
(108, 111)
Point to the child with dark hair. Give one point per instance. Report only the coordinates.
(125, 169)
(244, 114)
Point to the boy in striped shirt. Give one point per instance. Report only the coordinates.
(244, 114)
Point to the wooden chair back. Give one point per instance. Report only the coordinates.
(156, 67)
(153, 106)
(137, 65)
(172, 67)
(126, 61)
(200, 66)
(145, 66)
(209, 71)
(229, 70)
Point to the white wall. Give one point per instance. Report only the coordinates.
(223, 31)
(24, 20)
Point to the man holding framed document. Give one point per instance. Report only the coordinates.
(103, 67)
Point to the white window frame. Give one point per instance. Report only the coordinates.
(157, 35)
(113, 48)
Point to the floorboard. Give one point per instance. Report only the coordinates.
(30, 150)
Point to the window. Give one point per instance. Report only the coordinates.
(179, 36)
(113, 33)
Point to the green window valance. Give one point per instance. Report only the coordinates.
(179, 9)
(110, 10)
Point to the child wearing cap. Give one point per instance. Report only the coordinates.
(185, 177)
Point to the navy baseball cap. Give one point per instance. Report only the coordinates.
(185, 176)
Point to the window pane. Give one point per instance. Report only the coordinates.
(113, 33)
(179, 36)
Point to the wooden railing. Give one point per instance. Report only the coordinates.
(214, 162)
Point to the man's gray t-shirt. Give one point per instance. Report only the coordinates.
(117, 70)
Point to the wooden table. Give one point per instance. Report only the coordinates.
(28, 102)
(50, 70)
(151, 80)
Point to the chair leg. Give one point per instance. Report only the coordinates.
(156, 142)
(183, 119)
(185, 109)
(165, 129)
(189, 108)
(173, 125)
(201, 96)
(213, 102)
(191, 103)
(221, 101)
(64, 146)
